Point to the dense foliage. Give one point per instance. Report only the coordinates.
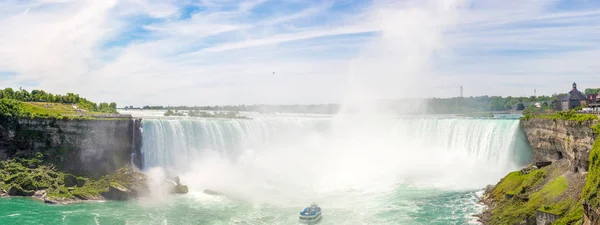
(590, 91)
(70, 98)
(571, 115)
(592, 185)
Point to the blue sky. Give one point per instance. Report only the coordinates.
(198, 52)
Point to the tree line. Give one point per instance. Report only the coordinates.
(315, 108)
(432, 105)
(70, 98)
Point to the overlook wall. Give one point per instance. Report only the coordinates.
(84, 147)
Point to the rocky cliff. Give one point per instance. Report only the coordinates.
(558, 193)
(84, 147)
(552, 140)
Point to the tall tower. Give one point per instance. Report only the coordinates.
(461, 91)
(534, 93)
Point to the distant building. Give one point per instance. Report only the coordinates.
(594, 100)
(574, 99)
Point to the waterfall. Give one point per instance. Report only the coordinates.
(458, 152)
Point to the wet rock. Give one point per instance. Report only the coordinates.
(40, 194)
(18, 191)
(48, 201)
(117, 192)
(70, 180)
(211, 192)
(80, 182)
(176, 187)
(80, 196)
(12, 191)
(180, 189)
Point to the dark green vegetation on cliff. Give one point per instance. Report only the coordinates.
(570, 115)
(591, 190)
(563, 189)
(33, 176)
(70, 98)
(551, 189)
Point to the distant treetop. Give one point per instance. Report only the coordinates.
(70, 98)
(591, 91)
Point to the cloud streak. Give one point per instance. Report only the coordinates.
(191, 52)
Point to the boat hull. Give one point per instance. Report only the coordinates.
(311, 219)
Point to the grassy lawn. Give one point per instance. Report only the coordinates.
(49, 110)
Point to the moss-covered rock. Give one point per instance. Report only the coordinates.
(591, 190)
(117, 192)
(70, 180)
(123, 184)
(80, 181)
(18, 191)
(544, 190)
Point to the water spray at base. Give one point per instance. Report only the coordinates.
(446, 153)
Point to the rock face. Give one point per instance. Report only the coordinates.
(591, 215)
(18, 191)
(70, 180)
(83, 147)
(544, 218)
(553, 140)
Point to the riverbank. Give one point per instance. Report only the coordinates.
(41, 180)
(555, 193)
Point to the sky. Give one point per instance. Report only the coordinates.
(209, 52)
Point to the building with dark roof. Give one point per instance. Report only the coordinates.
(574, 99)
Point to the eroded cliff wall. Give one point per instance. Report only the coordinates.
(85, 147)
(552, 140)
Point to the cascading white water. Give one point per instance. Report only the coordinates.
(328, 155)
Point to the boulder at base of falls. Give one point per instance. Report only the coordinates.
(176, 187)
(180, 189)
(117, 192)
(211, 192)
(126, 184)
(70, 180)
(18, 191)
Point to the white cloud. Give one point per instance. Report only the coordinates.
(227, 51)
